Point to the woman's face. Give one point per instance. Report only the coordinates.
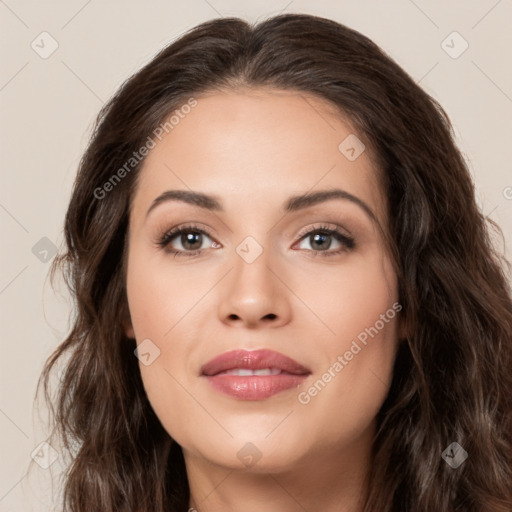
(269, 276)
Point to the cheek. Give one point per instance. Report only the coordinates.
(160, 296)
(359, 312)
(347, 393)
(161, 302)
(348, 298)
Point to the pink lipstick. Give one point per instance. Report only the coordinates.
(253, 375)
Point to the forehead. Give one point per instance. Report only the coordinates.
(259, 145)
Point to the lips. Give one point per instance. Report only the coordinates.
(253, 375)
(253, 360)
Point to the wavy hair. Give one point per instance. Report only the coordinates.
(452, 379)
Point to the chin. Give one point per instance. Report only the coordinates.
(252, 451)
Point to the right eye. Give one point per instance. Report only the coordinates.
(190, 238)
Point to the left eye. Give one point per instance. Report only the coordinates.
(322, 240)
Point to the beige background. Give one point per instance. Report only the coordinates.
(48, 106)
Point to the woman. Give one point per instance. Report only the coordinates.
(286, 296)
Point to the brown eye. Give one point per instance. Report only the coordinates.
(191, 240)
(185, 241)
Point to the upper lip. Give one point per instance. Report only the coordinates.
(253, 360)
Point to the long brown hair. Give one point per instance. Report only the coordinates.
(452, 379)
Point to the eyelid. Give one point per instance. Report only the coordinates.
(319, 226)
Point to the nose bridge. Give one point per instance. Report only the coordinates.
(254, 292)
(252, 263)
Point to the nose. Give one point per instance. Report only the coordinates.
(255, 295)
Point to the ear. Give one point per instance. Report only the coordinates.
(403, 329)
(128, 329)
(126, 322)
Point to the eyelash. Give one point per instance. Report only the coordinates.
(347, 242)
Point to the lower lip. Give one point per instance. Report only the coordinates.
(255, 387)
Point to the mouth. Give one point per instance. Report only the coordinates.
(253, 375)
(245, 372)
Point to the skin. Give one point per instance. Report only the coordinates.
(254, 148)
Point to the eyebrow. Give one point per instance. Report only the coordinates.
(293, 204)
